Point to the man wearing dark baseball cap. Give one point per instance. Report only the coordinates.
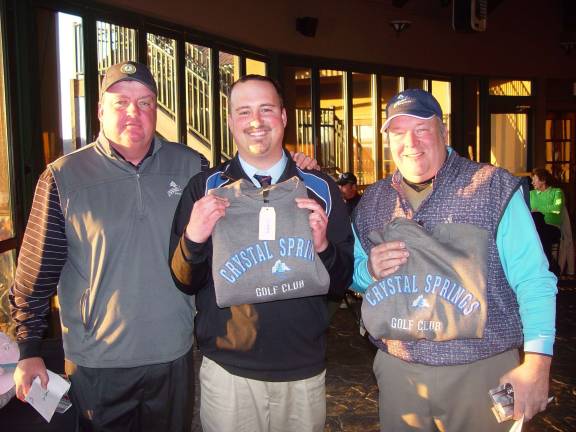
(414, 103)
(100, 234)
(346, 178)
(128, 71)
(431, 373)
(348, 185)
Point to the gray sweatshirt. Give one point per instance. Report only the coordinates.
(440, 293)
(248, 269)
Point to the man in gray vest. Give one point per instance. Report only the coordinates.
(98, 236)
(455, 282)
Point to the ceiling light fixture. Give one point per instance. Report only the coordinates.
(399, 26)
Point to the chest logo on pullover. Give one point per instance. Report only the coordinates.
(174, 189)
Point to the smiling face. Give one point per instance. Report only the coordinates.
(418, 147)
(257, 121)
(127, 114)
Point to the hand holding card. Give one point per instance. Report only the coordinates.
(45, 401)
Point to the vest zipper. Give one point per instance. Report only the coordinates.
(139, 192)
(85, 309)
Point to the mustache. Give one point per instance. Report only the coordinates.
(262, 128)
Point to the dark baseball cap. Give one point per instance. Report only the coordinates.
(128, 71)
(414, 103)
(346, 178)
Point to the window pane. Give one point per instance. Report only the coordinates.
(510, 88)
(6, 222)
(508, 141)
(441, 91)
(255, 67)
(363, 128)
(198, 102)
(412, 83)
(298, 103)
(558, 139)
(6, 279)
(389, 86)
(115, 44)
(162, 63)
(229, 72)
(332, 117)
(71, 76)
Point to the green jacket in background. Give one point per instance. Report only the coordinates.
(550, 203)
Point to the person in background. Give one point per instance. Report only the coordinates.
(348, 185)
(434, 373)
(549, 201)
(263, 366)
(98, 235)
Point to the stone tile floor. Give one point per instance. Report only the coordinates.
(352, 394)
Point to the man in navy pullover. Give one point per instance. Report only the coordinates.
(263, 366)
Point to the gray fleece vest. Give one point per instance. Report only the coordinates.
(118, 304)
(464, 192)
(247, 269)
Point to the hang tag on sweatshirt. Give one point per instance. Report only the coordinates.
(267, 224)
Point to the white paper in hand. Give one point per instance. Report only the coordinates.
(46, 401)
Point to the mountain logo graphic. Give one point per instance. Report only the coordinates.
(420, 302)
(279, 267)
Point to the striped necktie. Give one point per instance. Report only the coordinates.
(264, 180)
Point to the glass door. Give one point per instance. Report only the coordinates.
(510, 117)
(509, 141)
(560, 141)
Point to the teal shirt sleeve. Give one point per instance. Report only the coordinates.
(526, 269)
(362, 277)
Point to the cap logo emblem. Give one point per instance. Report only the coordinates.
(128, 68)
(402, 101)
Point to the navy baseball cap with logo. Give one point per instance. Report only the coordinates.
(346, 178)
(414, 103)
(128, 71)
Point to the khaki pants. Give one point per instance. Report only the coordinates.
(415, 397)
(229, 403)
